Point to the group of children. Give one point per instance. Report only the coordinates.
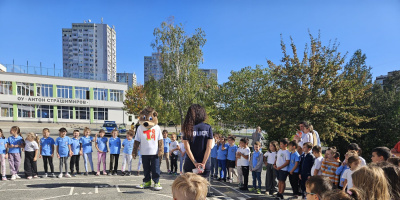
(173, 150)
(64, 148)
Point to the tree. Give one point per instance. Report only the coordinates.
(135, 100)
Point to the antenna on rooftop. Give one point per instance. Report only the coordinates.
(102, 20)
(84, 21)
(89, 20)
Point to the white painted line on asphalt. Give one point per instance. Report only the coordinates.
(247, 196)
(117, 188)
(218, 191)
(56, 197)
(96, 189)
(241, 198)
(71, 191)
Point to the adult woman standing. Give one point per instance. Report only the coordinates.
(257, 137)
(197, 139)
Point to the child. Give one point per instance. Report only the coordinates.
(86, 149)
(14, 145)
(340, 170)
(380, 154)
(189, 186)
(372, 182)
(166, 141)
(75, 147)
(353, 162)
(139, 162)
(256, 162)
(127, 144)
(3, 155)
(281, 163)
(330, 165)
(63, 150)
(174, 150)
(305, 166)
(293, 168)
(182, 156)
(243, 155)
(47, 151)
(101, 146)
(115, 149)
(231, 158)
(31, 152)
(355, 147)
(221, 157)
(316, 168)
(271, 183)
(214, 162)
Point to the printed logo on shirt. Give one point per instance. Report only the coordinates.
(151, 134)
(200, 133)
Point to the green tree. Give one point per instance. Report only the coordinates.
(135, 100)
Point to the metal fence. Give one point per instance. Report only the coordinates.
(38, 70)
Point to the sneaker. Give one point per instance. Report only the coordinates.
(144, 185)
(157, 186)
(219, 179)
(35, 176)
(169, 171)
(252, 189)
(74, 174)
(104, 173)
(114, 174)
(93, 172)
(60, 176)
(123, 174)
(215, 176)
(243, 188)
(109, 173)
(53, 175)
(13, 177)
(224, 180)
(138, 173)
(16, 175)
(258, 191)
(67, 175)
(128, 174)
(98, 174)
(29, 177)
(230, 181)
(4, 178)
(45, 175)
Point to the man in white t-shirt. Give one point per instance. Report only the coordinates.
(316, 168)
(281, 165)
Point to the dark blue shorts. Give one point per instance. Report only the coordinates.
(282, 175)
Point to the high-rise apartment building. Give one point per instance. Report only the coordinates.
(128, 78)
(89, 51)
(152, 67)
(208, 73)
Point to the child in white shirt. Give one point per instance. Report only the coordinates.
(31, 154)
(316, 168)
(354, 163)
(271, 182)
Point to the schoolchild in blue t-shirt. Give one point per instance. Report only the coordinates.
(47, 151)
(293, 168)
(3, 154)
(14, 144)
(76, 150)
(115, 149)
(63, 150)
(231, 158)
(166, 141)
(214, 161)
(221, 157)
(86, 149)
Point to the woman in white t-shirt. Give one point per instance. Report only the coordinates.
(31, 153)
(271, 182)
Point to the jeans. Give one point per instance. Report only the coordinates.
(63, 163)
(127, 159)
(50, 160)
(222, 166)
(182, 160)
(256, 177)
(214, 167)
(86, 157)
(151, 164)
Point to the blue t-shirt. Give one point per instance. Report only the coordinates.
(115, 145)
(214, 151)
(102, 144)
(255, 158)
(75, 146)
(340, 172)
(294, 157)
(86, 144)
(202, 132)
(47, 146)
(3, 143)
(232, 152)
(15, 141)
(167, 141)
(222, 154)
(128, 146)
(62, 145)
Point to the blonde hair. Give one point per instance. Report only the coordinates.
(33, 137)
(190, 187)
(86, 129)
(372, 181)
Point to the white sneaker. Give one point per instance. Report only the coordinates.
(67, 175)
(230, 181)
(53, 175)
(45, 175)
(60, 176)
(13, 177)
(16, 175)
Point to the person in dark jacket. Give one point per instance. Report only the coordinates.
(306, 164)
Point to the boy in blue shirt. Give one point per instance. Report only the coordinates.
(47, 151)
(115, 149)
(293, 168)
(221, 157)
(75, 147)
(214, 162)
(128, 148)
(166, 141)
(63, 150)
(256, 165)
(86, 149)
(231, 158)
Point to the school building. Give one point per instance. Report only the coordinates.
(49, 99)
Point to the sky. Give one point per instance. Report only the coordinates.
(239, 33)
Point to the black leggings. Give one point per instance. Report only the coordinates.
(174, 163)
(114, 163)
(245, 171)
(50, 159)
(74, 161)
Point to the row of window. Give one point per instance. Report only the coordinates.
(47, 112)
(46, 90)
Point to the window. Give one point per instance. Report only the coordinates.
(116, 95)
(6, 110)
(100, 94)
(82, 113)
(101, 113)
(64, 91)
(6, 87)
(44, 90)
(65, 112)
(26, 111)
(45, 111)
(25, 89)
(82, 93)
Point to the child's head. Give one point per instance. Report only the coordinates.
(355, 147)
(348, 154)
(222, 139)
(130, 134)
(14, 130)
(392, 174)
(317, 186)
(62, 132)
(231, 140)
(353, 162)
(243, 142)
(372, 181)
(173, 137)
(257, 146)
(330, 153)
(46, 132)
(316, 151)
(394, 161)
(76, 133)
(165, 133)
(189, 186)
(292, 146)
(86, 131)
(273, 146)
(380, 154)
(337, 155)
(102, 133)
(114, 133)
(283, 143)
(307, 147)
(216, 137)
(337, 194)
(31, 136)
(1, 134)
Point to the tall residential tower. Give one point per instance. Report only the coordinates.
(152, 67)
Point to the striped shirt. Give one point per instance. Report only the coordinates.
(328, 169)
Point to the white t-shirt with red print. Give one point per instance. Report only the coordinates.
(148, 139)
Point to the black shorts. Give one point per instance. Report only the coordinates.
(282, 175)
(230, 163)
